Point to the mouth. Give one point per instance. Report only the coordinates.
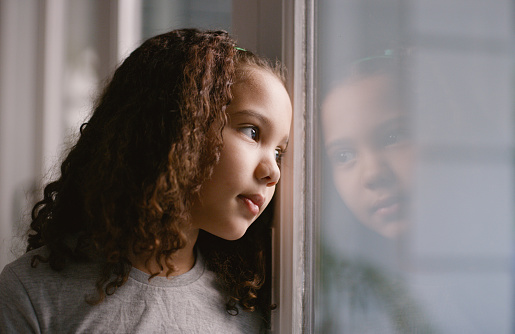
(387, 207)
(253, 202)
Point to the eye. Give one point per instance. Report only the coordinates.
(395, 138)
(391, 139)
(341, 157)
(251, 131)
(278, 155)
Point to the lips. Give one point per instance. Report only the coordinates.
(253, 202)
(386, 206)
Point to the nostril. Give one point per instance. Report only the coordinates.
(271, 184)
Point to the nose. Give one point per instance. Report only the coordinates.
(267, 171)
(375, 171)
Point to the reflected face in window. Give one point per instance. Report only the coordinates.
(367, 140)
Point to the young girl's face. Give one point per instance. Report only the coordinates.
(244, 180)
(367, 139)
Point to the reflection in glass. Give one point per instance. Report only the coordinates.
(415, 115)
(367, 139)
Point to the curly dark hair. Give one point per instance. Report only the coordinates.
(128, 183)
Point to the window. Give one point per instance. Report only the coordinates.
(415, 118)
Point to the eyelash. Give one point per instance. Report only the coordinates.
(279, 156)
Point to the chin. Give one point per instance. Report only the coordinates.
(233, 237)
(234, 233)
(389, 229)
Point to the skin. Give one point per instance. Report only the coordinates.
(244, 180)
(367, 139)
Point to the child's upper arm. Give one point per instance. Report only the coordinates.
(17, 314)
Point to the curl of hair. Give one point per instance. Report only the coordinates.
(127, 185)
(244, 265)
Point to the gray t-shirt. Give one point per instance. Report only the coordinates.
(41, 300)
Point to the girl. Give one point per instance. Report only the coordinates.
(179, 157)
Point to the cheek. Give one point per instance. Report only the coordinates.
(269, 194)
(401, 163)
(346, 184)
(228, 162)
(234, 155)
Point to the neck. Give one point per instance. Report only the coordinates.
(182, 260)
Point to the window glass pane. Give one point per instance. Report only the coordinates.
(415, 121)
(163, 15)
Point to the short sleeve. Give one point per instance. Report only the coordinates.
(17, 313)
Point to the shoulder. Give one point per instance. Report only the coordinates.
(40, 279)
(17, 270)
(40, 273)
(38, 298)
(17, 312)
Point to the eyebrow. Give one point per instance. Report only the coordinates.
(254, 114)
(389, 124)
(341, 142)
(396, 121)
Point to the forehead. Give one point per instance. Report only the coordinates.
(247, 65)
(262, 81)
(254, 74)
(356, 107)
